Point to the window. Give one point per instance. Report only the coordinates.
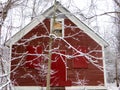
(58, 28)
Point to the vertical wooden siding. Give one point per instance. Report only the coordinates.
(23, 76)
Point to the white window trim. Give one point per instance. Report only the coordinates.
(57, 19)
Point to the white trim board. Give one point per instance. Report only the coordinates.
(66, 88)
(46, 14)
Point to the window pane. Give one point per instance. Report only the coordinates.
(57, 30)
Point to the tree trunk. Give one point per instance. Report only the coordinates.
(117, 22)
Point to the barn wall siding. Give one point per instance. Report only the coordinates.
(23, 76)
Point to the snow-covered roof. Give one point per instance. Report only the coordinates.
(46, 14)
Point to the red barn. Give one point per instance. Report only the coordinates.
(76, 53)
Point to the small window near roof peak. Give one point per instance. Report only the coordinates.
(58, 28)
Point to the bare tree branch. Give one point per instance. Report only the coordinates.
(106, 13)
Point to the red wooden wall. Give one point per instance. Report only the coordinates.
(31, 52)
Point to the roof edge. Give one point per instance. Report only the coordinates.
(68, 14)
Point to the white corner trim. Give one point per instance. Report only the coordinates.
(104, 64)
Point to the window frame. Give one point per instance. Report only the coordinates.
(51, 25)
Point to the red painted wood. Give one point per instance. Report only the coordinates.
(92, 74)
(33, 58)
(80, 61)
(58, 76)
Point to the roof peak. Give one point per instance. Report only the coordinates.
(67, 14)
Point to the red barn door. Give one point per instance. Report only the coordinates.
(58, 70)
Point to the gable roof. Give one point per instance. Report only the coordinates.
(47, 13)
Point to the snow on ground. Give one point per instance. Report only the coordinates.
(112, 86)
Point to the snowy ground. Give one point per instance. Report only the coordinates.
(112, 87)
